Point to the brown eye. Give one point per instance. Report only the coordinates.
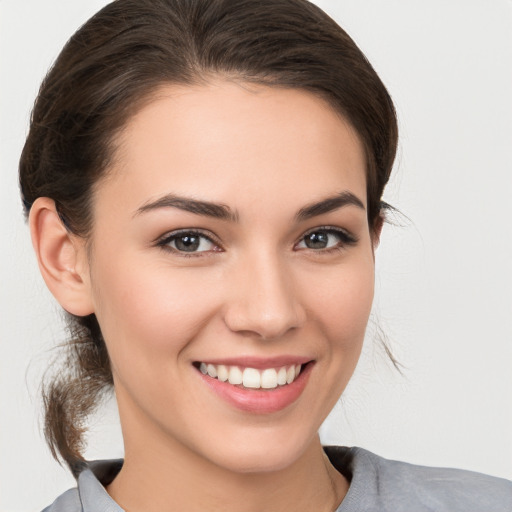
(188, 242)
(325, 239)
(318, 240)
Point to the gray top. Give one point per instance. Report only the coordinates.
(376, 485)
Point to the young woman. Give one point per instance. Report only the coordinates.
(204, 181)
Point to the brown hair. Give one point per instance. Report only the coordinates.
(113, 63)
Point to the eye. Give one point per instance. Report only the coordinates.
(188, 242)
(325, 239)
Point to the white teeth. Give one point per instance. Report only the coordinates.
(212, 371)
(269, 379)
(252, 378)
(281, 376)
(222, 373)
(235, 375)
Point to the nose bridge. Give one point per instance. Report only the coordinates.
(265, 302)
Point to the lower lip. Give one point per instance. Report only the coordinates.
(260, 401)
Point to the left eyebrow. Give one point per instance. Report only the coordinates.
(328, 205)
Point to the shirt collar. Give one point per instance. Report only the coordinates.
(92, 482)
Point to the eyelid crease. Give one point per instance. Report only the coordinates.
(164, 240)
(350, 238)
(345, 240)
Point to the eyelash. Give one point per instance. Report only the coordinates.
(164, 242)
(345, 239)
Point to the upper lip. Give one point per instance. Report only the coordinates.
(259, 362)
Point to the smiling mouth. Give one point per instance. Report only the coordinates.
(252, 378)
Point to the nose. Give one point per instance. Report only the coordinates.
(264, 302)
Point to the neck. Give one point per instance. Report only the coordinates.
(176, 479)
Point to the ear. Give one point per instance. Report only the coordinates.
(62, 258)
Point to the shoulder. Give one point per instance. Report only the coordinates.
(443, 489)
(398, 486)
(90, 494)
(67, 502)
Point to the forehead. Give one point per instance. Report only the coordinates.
(223, 140)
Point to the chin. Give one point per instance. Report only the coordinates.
(257, 462)
(261, 455)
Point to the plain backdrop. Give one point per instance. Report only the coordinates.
(444, 277)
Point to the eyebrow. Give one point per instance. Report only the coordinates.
(215, 210)
(328, 205)
(224, 212)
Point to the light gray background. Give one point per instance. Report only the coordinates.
(444, 283)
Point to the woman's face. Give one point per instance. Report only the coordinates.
(231, 237)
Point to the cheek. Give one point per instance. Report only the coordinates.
(149, 311)
(343, 302)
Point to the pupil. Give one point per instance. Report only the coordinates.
(188, 243)
(316, 240)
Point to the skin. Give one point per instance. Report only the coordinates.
(255, 290)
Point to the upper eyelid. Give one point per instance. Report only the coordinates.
(333, 229)
(163, 243)
(324, 228)
(196, 231)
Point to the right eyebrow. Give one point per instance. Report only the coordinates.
(207, 208)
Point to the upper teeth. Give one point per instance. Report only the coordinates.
(251, 377)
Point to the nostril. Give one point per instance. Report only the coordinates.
(265, 326)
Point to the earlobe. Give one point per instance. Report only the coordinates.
(61, 257)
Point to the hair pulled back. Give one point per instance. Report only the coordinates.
(113, 64)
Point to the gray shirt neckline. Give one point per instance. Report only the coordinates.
(376, 485)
